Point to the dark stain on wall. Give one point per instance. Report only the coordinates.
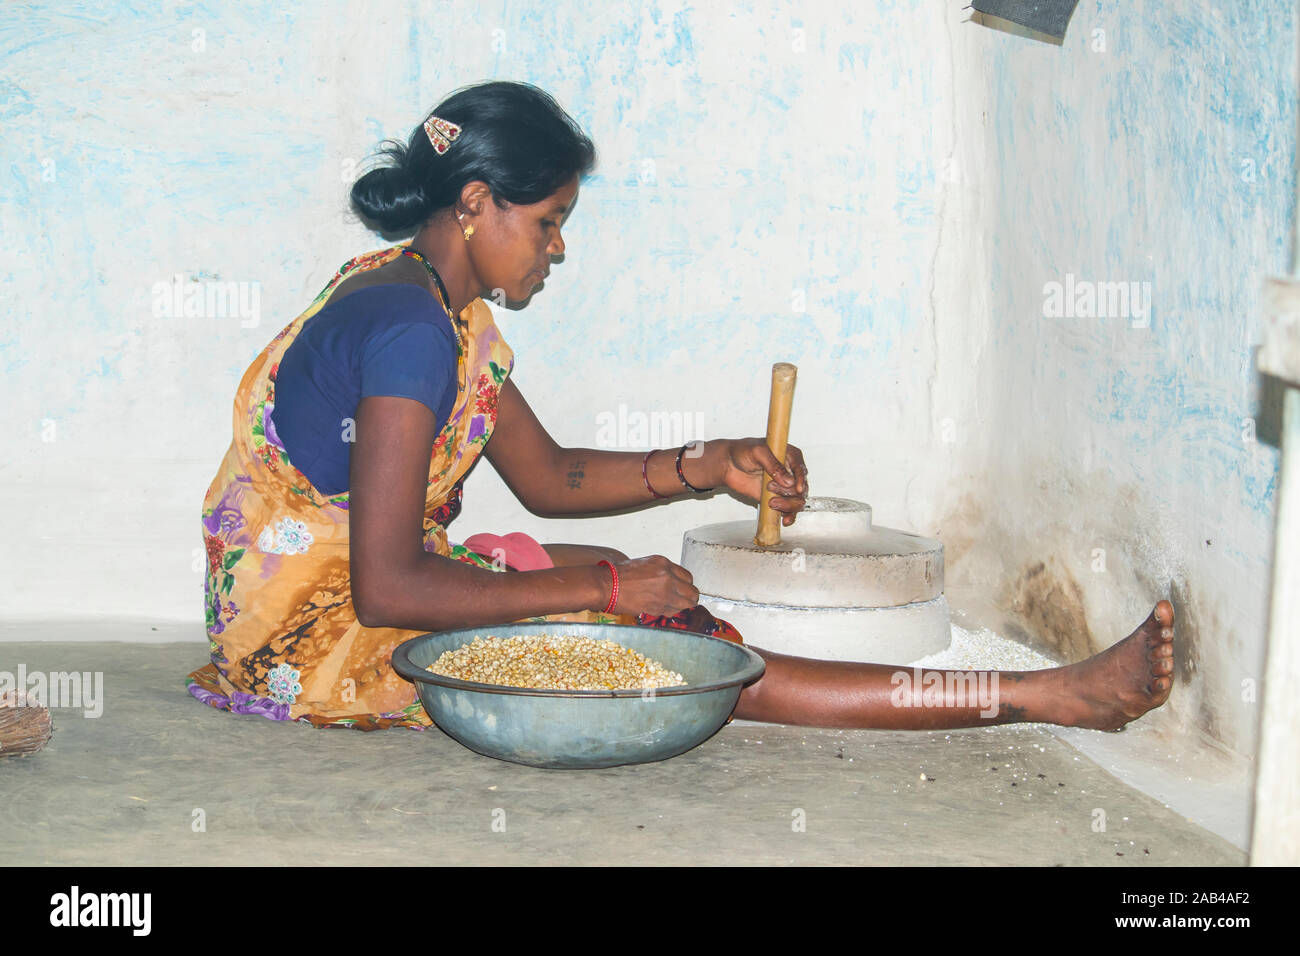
(1187, 634)
(1191, 629)
(1049, 604)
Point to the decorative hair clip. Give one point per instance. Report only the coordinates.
(441, 133)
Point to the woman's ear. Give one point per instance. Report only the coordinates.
(475, 196)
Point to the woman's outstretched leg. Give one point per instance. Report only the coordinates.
(1104, 692)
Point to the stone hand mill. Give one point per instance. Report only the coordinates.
(833, 586)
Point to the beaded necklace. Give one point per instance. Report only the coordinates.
(442, 292)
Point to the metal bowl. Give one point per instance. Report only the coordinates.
(580, 729)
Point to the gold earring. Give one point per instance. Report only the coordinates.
(469, 232)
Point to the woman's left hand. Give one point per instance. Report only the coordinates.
(744, 461)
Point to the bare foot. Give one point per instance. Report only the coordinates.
(1123, 682)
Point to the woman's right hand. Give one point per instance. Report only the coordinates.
(652, 585)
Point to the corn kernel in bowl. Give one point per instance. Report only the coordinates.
(554, 662)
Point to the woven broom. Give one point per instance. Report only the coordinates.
(25, 725)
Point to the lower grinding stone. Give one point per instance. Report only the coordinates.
(875, 635)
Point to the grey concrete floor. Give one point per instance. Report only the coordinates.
(133, 786)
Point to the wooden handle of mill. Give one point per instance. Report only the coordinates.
(778, 431)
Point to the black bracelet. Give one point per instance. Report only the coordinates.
(698, 491)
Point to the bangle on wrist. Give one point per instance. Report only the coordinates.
(644, 477)
(613, 590)
(698, 491)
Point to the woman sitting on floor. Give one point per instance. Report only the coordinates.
(326, 526)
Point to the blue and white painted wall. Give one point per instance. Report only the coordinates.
(1126, 446)
(878, 193)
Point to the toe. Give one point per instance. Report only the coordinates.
(1164, 613)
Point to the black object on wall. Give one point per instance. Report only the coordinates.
(1045, 16)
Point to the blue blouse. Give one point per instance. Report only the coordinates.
(392, 339)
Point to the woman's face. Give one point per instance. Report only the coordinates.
(517, 243)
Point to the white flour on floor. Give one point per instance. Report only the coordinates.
(984, 650)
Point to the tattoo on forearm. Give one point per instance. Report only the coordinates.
(1013, 713)
(575, 475)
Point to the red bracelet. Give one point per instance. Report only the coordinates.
(613, 594)
(645, 461)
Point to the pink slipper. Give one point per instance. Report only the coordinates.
(517, 549)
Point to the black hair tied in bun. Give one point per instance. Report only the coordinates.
(514, 137)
